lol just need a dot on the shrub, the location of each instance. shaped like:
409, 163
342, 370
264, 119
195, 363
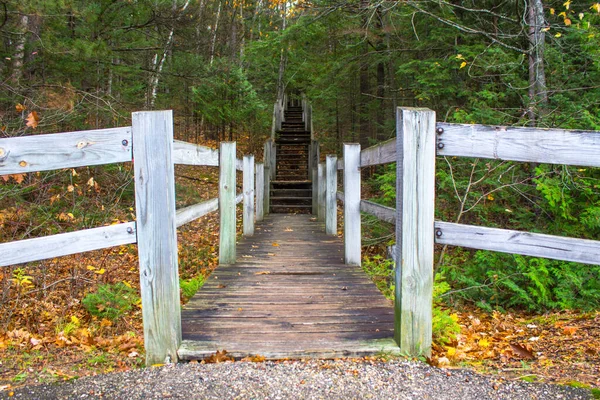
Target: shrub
110, 301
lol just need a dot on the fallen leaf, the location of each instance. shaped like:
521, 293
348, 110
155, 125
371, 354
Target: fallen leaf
32, 120
20, 107
254, 358
262, 273
275, 245
219, 356
221, 286
569, 330
521, 351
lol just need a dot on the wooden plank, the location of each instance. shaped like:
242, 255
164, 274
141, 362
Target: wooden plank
387, 214
340, 164
63, 244
555, 146
193, 154
352, 229
321, 189
415, 187
314, 171
331, 203
227, 202
382, 153
64, 150
248, 192
157, 234
193, 212
260, 191
515, 242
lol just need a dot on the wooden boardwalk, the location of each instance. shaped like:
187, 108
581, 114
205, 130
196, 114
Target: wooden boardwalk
289, 295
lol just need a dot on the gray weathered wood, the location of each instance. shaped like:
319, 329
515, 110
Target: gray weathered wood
322, 187
193, 212
314, 174
387, 214
414, 229
227, 202
239, 164
192, 154
340, 196
260, 191
340, 164
267, 179
382, 153
63, 244
64, 150
331, 203
157, 234
352, 229
248, 191
555, 146
515, 242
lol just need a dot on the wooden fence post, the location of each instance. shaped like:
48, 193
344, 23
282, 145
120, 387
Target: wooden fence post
157, 234
321, 192
227, 195
267, 179
260, 191
314, 173
352, 231
248, 190
415, 190
331, 195
273, 159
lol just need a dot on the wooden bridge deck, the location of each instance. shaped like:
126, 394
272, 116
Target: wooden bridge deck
289, 295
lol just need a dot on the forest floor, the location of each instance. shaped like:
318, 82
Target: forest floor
46, 335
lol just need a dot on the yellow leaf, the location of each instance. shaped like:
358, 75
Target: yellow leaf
596, 7
73, 172
459, 57
100, 271
75, 320
552, 11
567, 22
127, 284
90, 268
546, 29
20, 107
558, 35
90, 182
463, 64
70, 188
563, 14
70, 215
275, 245
484, 343
450, 351
567, 4
490, 197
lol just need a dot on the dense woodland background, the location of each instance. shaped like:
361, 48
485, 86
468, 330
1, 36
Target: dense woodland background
220, 64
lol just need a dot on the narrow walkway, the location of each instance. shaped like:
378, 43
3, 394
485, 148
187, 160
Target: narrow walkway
289, 296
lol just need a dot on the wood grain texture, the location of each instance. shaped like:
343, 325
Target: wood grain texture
415, 188
321, 189
515, 242
63, 244
288, 295
193, 154
387, 214
64, 150
352, 228
330, 195
227, 202
382, 153
157, 233
248, 191
193, 212
555, 146
260, 191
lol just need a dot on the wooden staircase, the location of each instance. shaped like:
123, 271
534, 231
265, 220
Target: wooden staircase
291, 191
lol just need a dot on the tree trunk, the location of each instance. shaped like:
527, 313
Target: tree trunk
538, 94
19, 54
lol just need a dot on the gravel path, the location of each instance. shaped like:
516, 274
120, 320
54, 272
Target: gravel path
298, 380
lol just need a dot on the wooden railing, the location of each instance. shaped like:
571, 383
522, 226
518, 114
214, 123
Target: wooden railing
150, 142
418, 141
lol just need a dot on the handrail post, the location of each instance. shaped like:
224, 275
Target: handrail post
314, 174
273, 159
227, 195
331, 199
157, 234
248, 190
415, 190
352, 229
321, 192
260, 191
267, 177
